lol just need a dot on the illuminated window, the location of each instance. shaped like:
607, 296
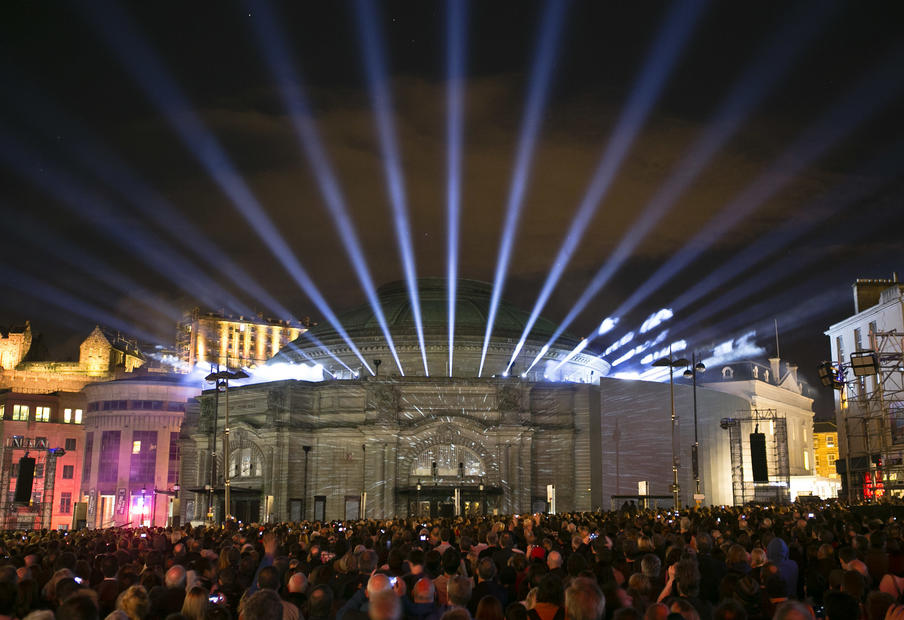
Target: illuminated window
20, 412
67, 415
42, 414
2, 411
830, 441
806, 460
136, 446
78, 416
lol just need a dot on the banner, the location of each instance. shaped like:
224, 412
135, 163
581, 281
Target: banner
121, 501
92, 506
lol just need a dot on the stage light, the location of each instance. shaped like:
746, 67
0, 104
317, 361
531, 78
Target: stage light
375, 68
830, 375
151, 76
865, 363
571, 354
456, 33
541, 74
771, 64
276, 52
607, 326
656, 319
666, 50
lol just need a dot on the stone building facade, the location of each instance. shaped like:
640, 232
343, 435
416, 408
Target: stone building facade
132, 450
210, 339
103, 356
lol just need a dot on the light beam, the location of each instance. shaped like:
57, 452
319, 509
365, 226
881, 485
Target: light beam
151, 76
541, 74
456, 34
276, 53
375, 68
772, 63
664, 54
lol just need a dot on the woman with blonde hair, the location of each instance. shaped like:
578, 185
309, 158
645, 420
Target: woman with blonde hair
135, 602
195, 605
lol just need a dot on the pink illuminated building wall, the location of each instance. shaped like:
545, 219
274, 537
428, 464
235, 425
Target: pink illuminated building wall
34, 424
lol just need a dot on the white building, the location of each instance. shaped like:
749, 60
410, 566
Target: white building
868, 407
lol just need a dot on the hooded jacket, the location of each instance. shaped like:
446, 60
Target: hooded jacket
777, 553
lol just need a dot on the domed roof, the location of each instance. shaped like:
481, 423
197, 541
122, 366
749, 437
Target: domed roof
470, 356
472, 305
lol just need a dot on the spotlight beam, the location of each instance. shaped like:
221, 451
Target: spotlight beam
70, 303
375, 68
278, 59
772, 63
663, 55
88, 206
96, 157
40, 236
541, 74
787, 235
872, 177
456, 35
872, 93
151, 76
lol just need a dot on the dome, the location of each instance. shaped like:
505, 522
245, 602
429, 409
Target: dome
471, 312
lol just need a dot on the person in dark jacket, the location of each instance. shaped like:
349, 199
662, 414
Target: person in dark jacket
487, 585
777, 552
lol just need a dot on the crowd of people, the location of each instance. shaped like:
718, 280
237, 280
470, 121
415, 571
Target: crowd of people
728, 563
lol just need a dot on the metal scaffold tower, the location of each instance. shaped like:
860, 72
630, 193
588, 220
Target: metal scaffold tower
744, 488
872, 407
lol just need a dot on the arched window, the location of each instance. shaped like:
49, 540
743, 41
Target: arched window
447, 457
727, 373
244, 463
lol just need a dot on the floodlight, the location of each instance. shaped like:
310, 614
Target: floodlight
830, 375
864, 363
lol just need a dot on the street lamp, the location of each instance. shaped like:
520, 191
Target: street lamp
672, 364
417, 503
225, 376
304, 500
691, 373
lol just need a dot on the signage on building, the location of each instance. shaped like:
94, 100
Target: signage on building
121, 501
92, 505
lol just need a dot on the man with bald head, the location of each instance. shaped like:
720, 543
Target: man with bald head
423, 605
296, 590
169, 599
384, 605
555, 564
358, 606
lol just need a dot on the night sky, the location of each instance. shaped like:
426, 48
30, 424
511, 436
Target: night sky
68, 95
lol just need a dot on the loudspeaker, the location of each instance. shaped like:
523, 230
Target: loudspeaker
25, 480
758, 457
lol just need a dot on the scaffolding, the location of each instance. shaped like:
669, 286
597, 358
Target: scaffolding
31, 514
872, 411
744, 489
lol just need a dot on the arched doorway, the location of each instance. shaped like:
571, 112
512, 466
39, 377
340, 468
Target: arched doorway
441, 471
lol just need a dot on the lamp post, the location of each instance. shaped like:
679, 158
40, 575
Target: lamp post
417, 503
304, 500
483, 499
363, 480
691, 373
225, 376
672, 364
